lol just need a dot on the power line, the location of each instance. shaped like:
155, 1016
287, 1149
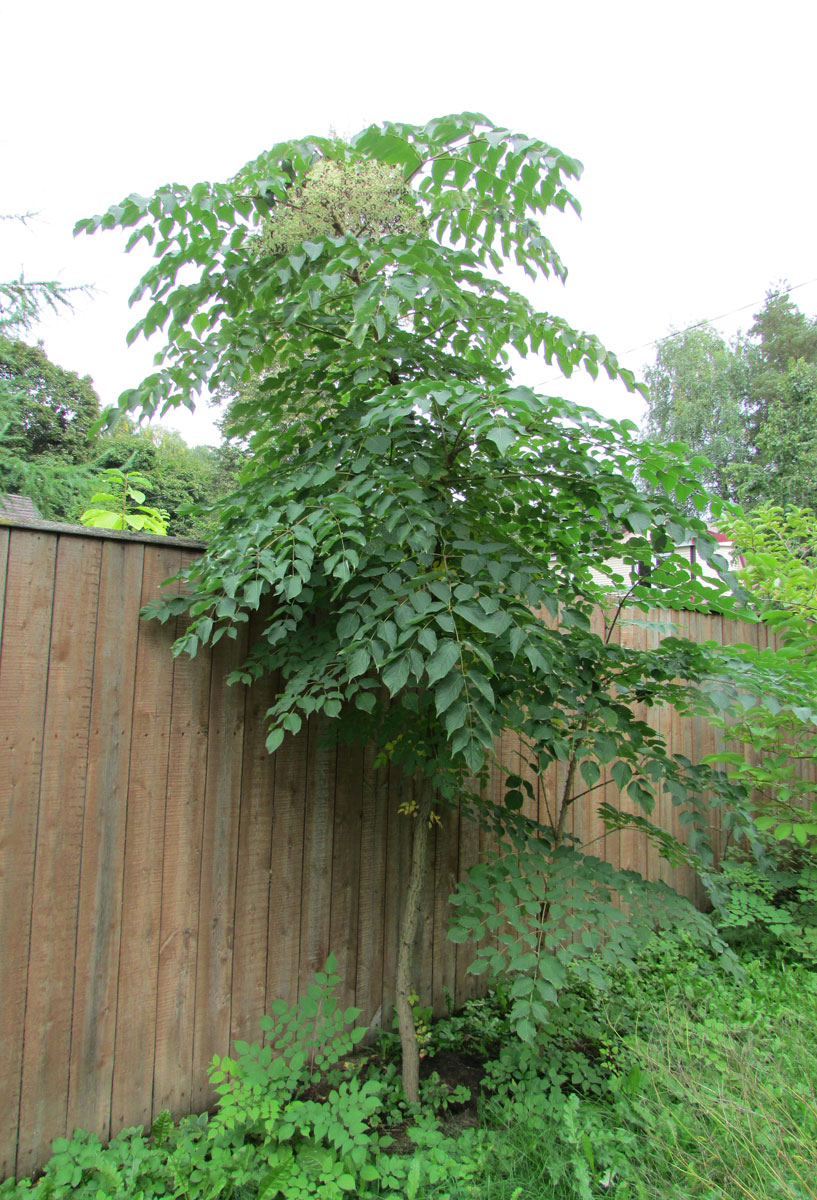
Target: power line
689, 328
711, 320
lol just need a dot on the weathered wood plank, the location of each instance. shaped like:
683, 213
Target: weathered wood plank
103, 839
343, 917
632, 846
677, 731
446, 873
424, 941
23, 677
398, 858
466, 984
222, 801
371, 916
181, 884
253, 868
132, 1083
4, 554
47, 1037
702, 741
316, 887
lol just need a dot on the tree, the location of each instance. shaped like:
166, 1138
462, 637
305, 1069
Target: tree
23, 300
749, 406
45, 412
780, 336
697, 388
783, 469
186, 482
46, 420
423, 528
54, 410
52, 450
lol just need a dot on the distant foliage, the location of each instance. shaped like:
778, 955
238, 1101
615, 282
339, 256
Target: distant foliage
52, 450
769, 696
748, 406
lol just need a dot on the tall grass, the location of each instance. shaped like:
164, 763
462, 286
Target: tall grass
729, 1091
710, 1093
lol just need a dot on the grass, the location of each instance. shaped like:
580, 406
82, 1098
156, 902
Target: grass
728, 1090
687, 1085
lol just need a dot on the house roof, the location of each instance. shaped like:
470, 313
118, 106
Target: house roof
18, 509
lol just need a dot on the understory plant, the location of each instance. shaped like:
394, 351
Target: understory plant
767, 692
765, 899
409, 521
675, 1080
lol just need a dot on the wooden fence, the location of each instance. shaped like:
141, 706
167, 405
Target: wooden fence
162, 878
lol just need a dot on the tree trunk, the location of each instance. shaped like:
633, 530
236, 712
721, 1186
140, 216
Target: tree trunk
405, 953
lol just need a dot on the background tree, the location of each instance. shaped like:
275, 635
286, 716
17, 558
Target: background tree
45, 412
53, 409
22, 301
749, 406
52, 451
783, 468
781, 336
184, 481
697, 393
46, 421
423, 527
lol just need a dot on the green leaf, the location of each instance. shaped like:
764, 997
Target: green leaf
502, 437
447, 691
274, 739
358, 662
639, 520
442, 660
396, 674
590, 772
552, 971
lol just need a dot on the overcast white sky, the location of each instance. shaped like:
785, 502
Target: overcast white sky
695, 122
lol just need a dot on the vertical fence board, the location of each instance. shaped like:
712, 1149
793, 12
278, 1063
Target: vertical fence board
132, 1084
23, 677
316, 887
181, 883
466, 984
103, 838
283, 938
632, 843
446, 871
222, 798
344, 925
398, 857
424, 942
678, 733
369, 975
4, 555
47, 1037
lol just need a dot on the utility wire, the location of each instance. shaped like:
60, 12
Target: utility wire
689, 328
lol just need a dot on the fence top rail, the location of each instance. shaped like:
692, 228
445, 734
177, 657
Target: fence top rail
88, 531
